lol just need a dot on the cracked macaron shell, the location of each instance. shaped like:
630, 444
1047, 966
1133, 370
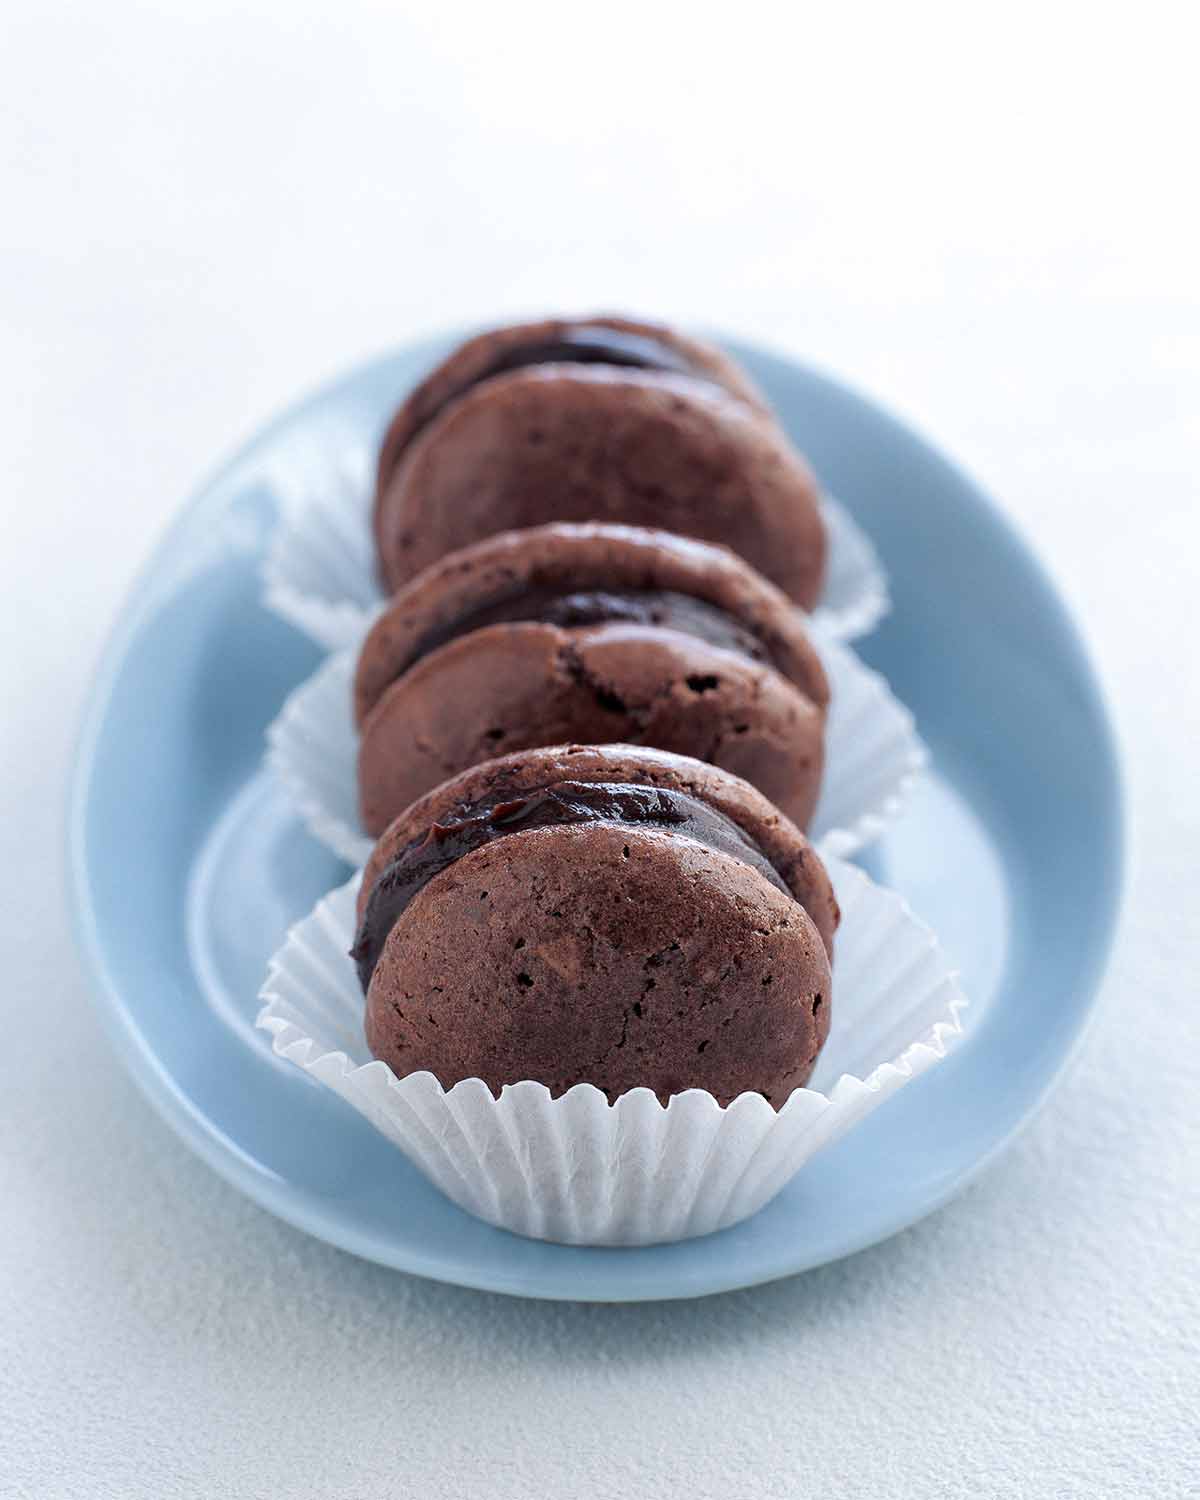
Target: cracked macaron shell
523, 685
580, 556
600, 953
519, 684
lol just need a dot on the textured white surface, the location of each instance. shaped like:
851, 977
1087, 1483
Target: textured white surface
989, 222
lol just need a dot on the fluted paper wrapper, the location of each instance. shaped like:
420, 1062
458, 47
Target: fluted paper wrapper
319, 570
580, 1171
872, 755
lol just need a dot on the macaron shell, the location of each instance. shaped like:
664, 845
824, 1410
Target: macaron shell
471, 360
621, 957
509, 775
511, 687
588, 443
574, 556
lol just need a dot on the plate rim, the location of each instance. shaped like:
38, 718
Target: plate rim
279, 1197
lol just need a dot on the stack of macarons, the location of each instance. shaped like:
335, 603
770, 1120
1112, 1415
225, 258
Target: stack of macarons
592, 724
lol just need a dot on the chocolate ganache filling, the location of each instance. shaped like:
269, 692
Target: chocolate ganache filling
575, 344
590, 344
564, 804
661, 607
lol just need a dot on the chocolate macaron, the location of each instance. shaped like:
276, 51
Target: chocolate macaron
608, 915
592, 634
597, 419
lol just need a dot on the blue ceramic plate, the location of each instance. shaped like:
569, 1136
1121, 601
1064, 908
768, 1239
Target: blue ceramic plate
188, 865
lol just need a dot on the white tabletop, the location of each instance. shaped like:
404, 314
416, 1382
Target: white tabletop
990, 225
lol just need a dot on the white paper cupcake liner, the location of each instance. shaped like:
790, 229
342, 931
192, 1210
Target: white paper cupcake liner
855, 597
578, 1170
319, 569
318, 572
872, 755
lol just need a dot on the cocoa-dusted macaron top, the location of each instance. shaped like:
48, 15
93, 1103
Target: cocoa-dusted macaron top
564, 785
576, 575
619, 343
